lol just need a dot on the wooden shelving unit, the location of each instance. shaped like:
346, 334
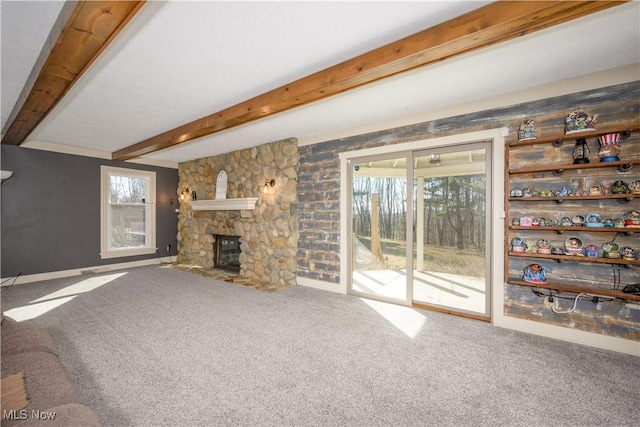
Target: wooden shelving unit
532, 165
559, 168
577, 289
560, 229
575, 258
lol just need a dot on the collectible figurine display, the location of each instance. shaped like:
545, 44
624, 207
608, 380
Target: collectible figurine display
535, 273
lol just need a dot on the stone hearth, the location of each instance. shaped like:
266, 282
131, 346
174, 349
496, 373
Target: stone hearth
268, 233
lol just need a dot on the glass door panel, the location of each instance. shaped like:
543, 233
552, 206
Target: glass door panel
451, 228
379, 229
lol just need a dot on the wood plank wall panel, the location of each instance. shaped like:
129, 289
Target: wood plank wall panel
319, 190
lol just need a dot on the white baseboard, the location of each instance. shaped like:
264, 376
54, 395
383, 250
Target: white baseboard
319, 284
78, 271
576, 336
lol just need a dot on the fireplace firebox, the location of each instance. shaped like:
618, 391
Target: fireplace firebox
226, 252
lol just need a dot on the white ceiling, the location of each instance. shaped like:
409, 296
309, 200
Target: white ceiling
178, 61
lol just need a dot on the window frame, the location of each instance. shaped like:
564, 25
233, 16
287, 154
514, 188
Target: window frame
150, 213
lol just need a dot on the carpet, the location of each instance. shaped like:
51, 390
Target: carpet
155, 346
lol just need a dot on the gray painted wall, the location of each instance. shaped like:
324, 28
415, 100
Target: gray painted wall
51, 211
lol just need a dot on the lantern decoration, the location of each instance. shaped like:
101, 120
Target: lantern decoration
581, 152
609, 148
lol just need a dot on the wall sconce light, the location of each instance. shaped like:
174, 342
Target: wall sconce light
434, 159
268, 184
184, 194
5, 175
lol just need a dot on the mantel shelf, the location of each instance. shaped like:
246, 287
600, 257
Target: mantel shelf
239, 204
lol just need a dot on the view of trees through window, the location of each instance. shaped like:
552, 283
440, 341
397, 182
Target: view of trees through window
127, 210
454, 220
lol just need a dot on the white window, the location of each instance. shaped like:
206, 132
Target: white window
128, 215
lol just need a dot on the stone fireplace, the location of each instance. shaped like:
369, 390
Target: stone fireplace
226, 252
268, 234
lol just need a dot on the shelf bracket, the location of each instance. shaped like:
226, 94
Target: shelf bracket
625, 135
557, 143
560, 201
559, 171
559, 231
625, 167
625, 200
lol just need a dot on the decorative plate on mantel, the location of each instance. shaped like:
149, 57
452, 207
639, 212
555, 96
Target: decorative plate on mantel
221, 186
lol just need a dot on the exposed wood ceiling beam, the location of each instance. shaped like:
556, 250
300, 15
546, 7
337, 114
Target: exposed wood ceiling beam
90, 28
494, 23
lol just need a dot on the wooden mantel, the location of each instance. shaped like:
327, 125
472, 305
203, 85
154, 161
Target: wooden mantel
248, 203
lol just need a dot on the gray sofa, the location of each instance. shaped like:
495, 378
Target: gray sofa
28, 349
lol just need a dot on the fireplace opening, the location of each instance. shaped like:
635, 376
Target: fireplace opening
226, 252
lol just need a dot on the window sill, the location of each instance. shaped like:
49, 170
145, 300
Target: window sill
126, 252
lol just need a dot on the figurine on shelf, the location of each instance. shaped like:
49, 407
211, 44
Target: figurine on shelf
516, 192
566, 221
573, 246
578, 220
535, 273
518, 245
610, 250
609, 148
579, 121
619, 187
628, 253
530, 247
632, 219
594, 220
634, 187
544, 247
595, 191
592, 251
526, 221
527, 130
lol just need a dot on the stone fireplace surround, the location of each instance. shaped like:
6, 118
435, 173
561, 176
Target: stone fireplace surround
268, 233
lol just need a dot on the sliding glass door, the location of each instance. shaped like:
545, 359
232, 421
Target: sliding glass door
443, 214
452, 228
380, 257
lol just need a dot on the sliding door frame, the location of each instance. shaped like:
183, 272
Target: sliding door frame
408, 155
487, 145
495, 211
